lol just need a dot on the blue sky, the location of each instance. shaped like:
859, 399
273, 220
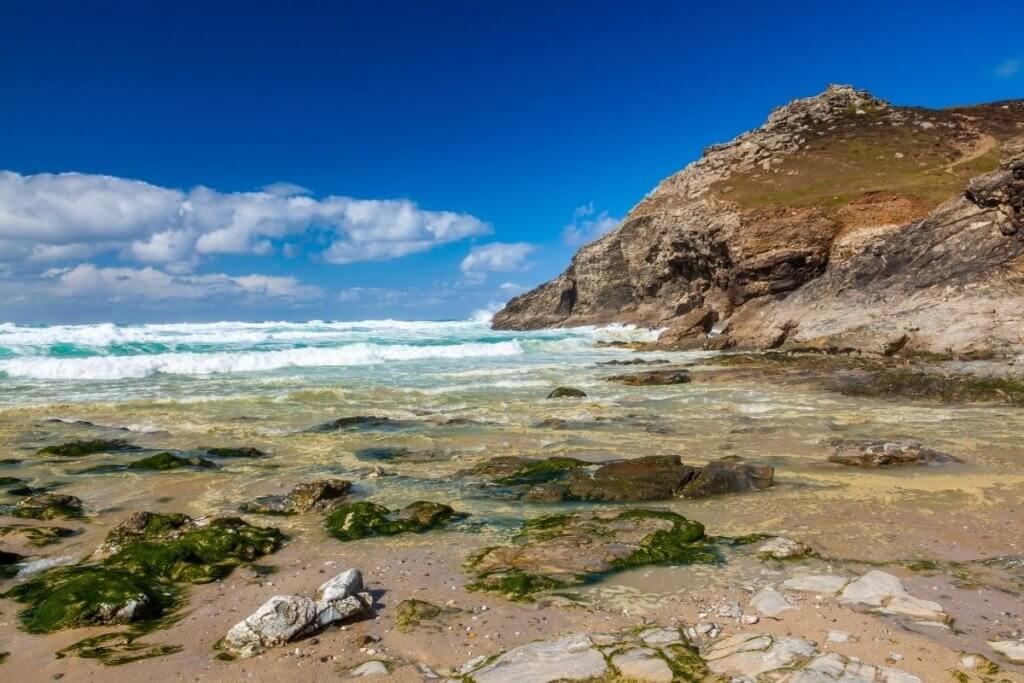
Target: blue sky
408, 160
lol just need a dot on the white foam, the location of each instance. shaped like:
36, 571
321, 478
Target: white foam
127, 367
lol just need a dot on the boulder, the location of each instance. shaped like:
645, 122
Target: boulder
304, 497
728, 475
781, 548
885, 454
640, 479
567, 392
45, 506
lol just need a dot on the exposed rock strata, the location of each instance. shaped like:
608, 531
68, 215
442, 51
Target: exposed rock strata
843, 221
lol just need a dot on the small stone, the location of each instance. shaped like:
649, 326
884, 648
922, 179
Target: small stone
838, 636
750, 619
770, 602
370, 668
781, 548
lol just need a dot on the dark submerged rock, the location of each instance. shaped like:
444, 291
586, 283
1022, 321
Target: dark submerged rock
362, 423
303, 498
164, 461
8, 564
885, 454
79, 449
637, 361
236, 452
567, 392
352, 521
37, 536
652, 378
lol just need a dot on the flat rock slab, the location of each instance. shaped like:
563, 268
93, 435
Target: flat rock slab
752, 654
887, 595
770, 602
828, 584
836, 667
885, 454
1011, 649
643, 664
573, 658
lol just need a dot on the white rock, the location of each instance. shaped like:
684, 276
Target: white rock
781, 548
752, 654
770, 602
332, 611
343, 585
1011, 649
838, 636
642, 664
816, 583
661, 636
277, 621
572, 658
886, 592
369, 668
750, 619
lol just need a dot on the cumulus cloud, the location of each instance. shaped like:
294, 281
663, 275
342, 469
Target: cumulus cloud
1009, 68
75, 215
87, 280
587, 225
498, 256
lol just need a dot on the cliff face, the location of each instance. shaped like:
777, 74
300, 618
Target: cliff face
843, 221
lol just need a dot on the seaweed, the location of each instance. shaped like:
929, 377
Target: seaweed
79, 449
352, 521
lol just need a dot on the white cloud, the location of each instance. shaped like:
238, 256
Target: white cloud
1009, 68
587, 225
76, 215
86, 280
498, 256
285, 189
509, 286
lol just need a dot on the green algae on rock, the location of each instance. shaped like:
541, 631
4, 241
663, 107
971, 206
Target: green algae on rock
567, 392
303, 498
79, 449
8, 564
556, 551
138, 580
45, 506
164, 461
511, 470
412, 612
37, 536
352, 521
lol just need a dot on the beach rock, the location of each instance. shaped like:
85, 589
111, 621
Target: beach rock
284, 618
45, 506
770, 602
388, 453
148, 526
567, 392
80, 449
886, 594
885, 454
362, 423
164, 461
275, 623
352, 521
235, 452
37, 536
826, 584
652, 378
1011, 649
572, 658
562, 549
550, 492
781, 548
753, 654
8, 562
661, 636
517, 471
637, 361
643, 664
728, 475
314, 495
370, 668
652, 477
835, 667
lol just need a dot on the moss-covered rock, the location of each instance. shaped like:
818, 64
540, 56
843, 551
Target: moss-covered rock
303, 498
80, 449
514, 470
362, 423
567, 392
652, 378
161, 462
45, 506
554, 551
147, 558
412, 612
352, 521
37, 536
656, 477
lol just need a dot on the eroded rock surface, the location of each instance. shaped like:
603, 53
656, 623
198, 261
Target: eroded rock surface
885, 454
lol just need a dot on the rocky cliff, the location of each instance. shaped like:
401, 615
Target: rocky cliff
844, 221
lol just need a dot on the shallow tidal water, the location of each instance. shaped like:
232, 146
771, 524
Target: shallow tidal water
466, 394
